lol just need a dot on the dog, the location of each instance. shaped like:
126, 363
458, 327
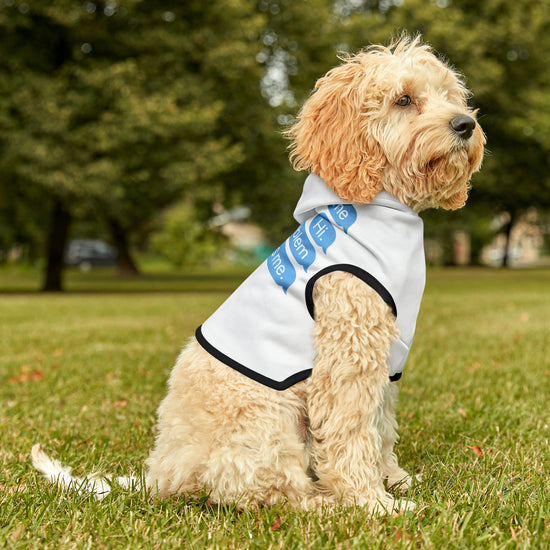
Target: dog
288, 392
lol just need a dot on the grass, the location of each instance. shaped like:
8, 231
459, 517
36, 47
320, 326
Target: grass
84, 372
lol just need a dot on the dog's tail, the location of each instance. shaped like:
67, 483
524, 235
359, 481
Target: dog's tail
96, 484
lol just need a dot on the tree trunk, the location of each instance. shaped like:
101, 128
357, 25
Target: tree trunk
125, 263
508, 233
60, 222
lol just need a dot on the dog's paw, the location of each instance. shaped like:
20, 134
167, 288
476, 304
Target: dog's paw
392, 506
401, 481
404, 505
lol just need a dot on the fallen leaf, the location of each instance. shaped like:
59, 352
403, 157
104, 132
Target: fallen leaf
477, 450
398, 535
120, 404
276, 524
475, 366
26, 377
462, 412
57, 352
548, 373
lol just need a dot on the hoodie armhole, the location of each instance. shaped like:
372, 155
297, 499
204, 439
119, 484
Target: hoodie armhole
366, 277
256, 376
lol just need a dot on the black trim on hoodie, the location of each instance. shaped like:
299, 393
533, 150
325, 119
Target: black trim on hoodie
366, 277
302, 375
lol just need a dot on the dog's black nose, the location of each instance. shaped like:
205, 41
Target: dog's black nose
463, 126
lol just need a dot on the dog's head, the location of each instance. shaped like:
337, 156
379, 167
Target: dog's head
393, 119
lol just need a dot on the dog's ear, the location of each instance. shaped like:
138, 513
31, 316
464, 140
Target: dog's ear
332, 138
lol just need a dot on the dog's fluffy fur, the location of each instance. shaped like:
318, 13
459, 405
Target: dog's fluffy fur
329, 439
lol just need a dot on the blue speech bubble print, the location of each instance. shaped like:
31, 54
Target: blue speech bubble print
302, 248
281, 268
343, 214
322, 232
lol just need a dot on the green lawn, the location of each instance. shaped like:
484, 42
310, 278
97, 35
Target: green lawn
83, 372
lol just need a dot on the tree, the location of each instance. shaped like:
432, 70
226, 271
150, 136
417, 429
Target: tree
114, 108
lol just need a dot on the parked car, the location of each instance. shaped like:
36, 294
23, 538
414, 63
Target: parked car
88, 253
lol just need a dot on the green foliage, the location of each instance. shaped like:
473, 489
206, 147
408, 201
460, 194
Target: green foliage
184, 240
120, 109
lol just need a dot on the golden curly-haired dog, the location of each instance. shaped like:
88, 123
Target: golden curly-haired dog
392, 119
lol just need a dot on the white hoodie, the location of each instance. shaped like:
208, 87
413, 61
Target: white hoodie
264, 329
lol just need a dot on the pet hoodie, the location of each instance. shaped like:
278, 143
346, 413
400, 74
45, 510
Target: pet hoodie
264, 329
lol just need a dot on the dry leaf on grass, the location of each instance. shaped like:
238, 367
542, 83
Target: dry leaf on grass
26, 377
399, 535
276, 524
120, 404
476, 450
462, 412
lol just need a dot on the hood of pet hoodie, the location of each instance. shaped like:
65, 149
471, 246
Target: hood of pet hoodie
264, 329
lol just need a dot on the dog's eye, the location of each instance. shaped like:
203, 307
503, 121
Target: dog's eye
404, 101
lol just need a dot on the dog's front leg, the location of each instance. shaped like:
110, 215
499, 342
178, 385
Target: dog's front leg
353, 333
387, 426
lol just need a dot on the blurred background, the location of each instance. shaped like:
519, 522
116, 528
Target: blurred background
134, 132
